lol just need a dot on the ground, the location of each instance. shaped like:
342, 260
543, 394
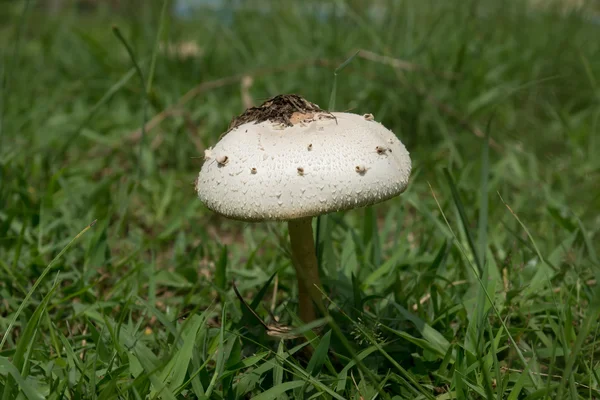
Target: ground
480, 281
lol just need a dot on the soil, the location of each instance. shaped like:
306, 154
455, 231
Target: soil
284, 109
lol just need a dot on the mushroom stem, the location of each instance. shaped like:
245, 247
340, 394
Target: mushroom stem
307, 268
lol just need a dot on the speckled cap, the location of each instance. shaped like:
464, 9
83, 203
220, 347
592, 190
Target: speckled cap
313, 163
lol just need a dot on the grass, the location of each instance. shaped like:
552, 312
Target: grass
481, 281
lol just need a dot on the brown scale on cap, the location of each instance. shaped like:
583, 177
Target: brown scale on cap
285, 109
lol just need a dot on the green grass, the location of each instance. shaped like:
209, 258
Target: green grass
481, 281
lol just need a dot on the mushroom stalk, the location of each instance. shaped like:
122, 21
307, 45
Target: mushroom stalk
307, 269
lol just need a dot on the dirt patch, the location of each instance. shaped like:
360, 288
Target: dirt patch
285, 109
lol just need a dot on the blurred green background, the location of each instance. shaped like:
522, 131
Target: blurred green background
141, 304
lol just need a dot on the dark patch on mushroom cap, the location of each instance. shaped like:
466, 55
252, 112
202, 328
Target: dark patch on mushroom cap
277, 109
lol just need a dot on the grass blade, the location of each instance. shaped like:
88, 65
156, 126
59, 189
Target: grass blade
181, 360
371, 240
590, 322
220, 365
261, 293
483, 195
221, 269
278, 368
26, 345
39, 280
339, 69
533, 379
6, 367
145, 99
159, 32
278, 390
464, 221
320, 355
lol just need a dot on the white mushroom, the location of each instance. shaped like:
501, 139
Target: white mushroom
283, 191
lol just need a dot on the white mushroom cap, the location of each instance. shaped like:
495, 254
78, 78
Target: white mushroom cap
324, 162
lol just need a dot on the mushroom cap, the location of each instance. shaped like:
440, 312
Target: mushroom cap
316, 164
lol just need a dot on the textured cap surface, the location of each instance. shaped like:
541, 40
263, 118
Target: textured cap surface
324, 162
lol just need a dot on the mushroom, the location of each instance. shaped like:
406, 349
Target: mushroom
297, 183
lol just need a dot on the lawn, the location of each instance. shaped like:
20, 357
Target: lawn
479, 282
